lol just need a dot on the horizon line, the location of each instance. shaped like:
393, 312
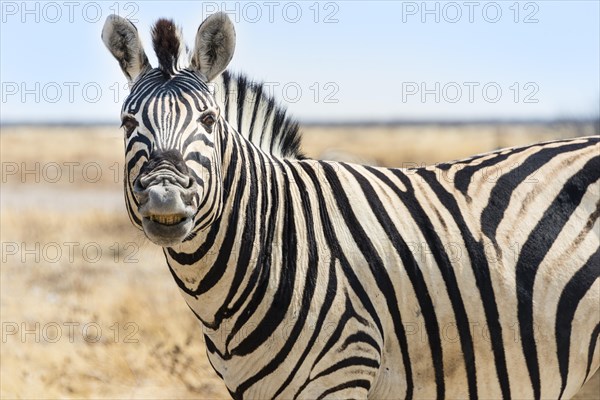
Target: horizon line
334, 123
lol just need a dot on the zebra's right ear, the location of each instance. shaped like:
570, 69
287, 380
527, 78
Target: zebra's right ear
121, 37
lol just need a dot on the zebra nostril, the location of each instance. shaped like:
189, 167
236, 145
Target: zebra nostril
140, 193
138, 185
142, 197
188, 196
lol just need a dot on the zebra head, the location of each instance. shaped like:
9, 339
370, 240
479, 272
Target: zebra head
172, 124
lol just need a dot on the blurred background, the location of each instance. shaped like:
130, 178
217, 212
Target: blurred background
88, 307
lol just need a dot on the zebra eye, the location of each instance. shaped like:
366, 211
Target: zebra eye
208, 120
129, 123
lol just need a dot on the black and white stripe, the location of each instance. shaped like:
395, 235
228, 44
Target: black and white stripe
366, 251
315, 279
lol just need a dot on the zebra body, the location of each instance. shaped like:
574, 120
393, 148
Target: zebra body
446, 305
316, 279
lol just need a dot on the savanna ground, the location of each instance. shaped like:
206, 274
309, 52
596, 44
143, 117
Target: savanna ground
88, 307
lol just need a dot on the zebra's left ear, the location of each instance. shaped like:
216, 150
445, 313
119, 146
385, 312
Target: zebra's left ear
215, 43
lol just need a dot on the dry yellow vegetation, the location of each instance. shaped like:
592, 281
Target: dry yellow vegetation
89, 309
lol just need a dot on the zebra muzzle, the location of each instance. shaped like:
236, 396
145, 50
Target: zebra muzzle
167, 210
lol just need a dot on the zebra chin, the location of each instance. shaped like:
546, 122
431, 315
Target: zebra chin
165, 234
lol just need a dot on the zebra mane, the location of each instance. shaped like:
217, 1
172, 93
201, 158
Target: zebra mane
170, 49
256, 115
253, 112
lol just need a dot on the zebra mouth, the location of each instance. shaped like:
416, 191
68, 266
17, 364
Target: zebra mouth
168, 220
168, 229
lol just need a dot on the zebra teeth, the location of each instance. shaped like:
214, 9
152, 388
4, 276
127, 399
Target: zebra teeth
172, 219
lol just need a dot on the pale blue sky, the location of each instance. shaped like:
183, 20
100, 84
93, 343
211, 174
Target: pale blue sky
371, 60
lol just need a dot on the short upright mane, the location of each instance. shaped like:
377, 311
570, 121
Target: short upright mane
170, 49
246, 106
257, 115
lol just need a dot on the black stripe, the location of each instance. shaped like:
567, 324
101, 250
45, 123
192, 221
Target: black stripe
361, 337
354, 361
159, 119
362, 383
241, 98
128, 182
197, 137
199, 159
591, 349
268, 113
139, 138
211, 198
226, 94
534, 250
278, 123
192, 258
570, 297
197, 317
257, 102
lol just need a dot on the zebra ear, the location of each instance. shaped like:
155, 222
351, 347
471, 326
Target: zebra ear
121, 37
215, 43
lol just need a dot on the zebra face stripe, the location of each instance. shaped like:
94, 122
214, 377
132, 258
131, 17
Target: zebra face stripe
173, 169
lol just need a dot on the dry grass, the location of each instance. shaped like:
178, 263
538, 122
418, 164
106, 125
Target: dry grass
396, 146
150, 345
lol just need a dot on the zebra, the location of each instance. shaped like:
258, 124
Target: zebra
318, 279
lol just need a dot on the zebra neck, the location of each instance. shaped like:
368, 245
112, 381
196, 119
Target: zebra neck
234, 259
